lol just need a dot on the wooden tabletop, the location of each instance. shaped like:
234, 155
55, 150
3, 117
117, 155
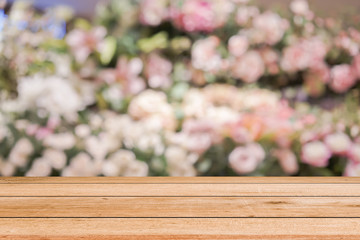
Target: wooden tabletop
180, 208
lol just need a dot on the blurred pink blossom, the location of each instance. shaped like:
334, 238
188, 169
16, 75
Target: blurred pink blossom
354, 153
338, 143
126, 72
245, 159
342, 78
356, 65
316, 154
249, 67
238, 45
153, 12
300, 7
269, 28
83, 43
287, 160
205, 55
304, 54
352, 169
195, 15
157, 71
245, 13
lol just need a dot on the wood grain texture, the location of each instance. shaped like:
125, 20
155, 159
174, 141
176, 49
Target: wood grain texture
180, 208
167, 228
180, 189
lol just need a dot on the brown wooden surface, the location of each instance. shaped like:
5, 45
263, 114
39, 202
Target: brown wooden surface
180, 208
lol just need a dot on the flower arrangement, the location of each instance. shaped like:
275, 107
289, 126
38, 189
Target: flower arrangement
178, 88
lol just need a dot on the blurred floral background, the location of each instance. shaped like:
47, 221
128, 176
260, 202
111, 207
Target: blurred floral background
179, 88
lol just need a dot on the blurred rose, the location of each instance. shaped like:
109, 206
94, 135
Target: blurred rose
352, 169
204, 55
300, 7
356, 65
338, 143
287, 160
244, 160
316, 154
153, 12
354, 153
178, 162
39, 168
158, 71
268, 28
60, 141
56, 158
304, 54
201, 15
83, 43
245, 13
249, 67
126, 72
20, 153
238, 45
153, 104
342, 78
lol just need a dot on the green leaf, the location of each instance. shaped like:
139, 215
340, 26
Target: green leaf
109, 50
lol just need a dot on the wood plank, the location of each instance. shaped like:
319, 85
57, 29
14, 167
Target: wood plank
181, 207
181, 180
170, 228
201, 189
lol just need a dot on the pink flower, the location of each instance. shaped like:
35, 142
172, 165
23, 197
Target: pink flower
269, 28
304, 54
300, 7
356, 65
245, 13
338, 143
245, 160
195, 15
201, 15
249, 67
238, 45
153, 12
342, 78
126, 72
287, 160
316, 154
354, 153
158, 71
204, 55
271, 60
83, 43
199, 135
352, 169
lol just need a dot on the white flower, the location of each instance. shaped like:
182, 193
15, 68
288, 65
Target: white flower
205, 56
136, 169
56, 95
81, 165
316, 154
7, 169
245, 160
179, 163
124, 163
152, 103
300, 7
60, 141
39, 168
338, 143
20, 152
56, 159
82, 130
